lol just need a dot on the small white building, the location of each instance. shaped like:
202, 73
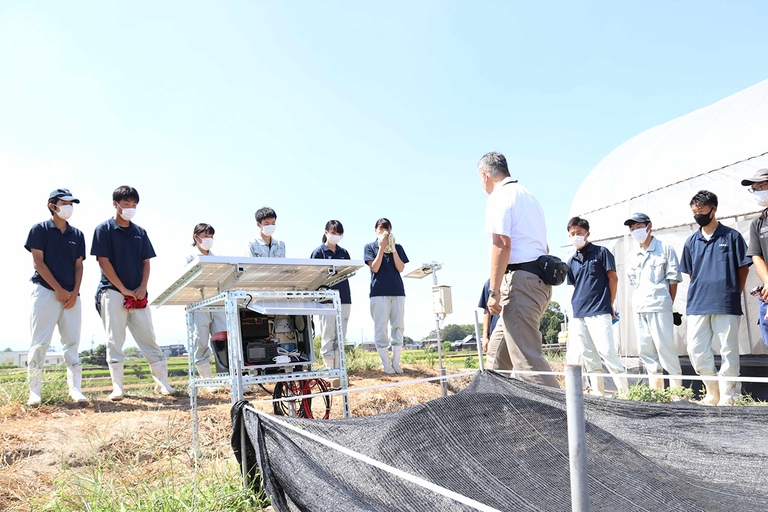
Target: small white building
19, 358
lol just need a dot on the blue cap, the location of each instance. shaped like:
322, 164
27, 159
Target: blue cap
637, 217
64, 194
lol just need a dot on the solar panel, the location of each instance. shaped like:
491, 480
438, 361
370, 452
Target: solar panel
206, 275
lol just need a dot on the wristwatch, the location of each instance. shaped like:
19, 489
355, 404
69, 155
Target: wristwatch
492, 293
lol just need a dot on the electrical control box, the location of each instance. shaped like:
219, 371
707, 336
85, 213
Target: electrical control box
265, 338
442, 303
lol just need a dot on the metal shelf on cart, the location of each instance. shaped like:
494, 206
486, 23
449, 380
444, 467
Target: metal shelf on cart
225, 379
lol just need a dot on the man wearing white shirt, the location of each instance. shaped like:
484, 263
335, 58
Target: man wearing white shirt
654, 275
514, 220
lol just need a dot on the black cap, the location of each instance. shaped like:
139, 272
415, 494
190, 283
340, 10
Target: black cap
761, 175
637, 217
64, 194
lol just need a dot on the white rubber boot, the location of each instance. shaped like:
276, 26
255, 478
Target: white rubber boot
396, 358
675, 383
116, 372
74, 380
729, 391
598, 386
655, 382
622, 385
35, 377
333, 361
385, 364
713, 393
159, 371
204, 369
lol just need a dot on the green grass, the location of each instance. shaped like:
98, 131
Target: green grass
644, 393
147, 472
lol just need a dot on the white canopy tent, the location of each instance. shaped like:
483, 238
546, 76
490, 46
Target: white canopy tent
658, 172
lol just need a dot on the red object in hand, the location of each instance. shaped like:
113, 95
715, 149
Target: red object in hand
131, 303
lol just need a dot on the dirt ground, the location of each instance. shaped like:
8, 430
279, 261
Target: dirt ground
40, 446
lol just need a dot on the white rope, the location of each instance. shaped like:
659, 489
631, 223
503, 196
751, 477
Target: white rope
719, 378
385, 467
366, 388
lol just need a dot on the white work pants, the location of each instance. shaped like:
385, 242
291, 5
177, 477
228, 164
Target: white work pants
327, 326
388, 310
206, 323
48, 313
656, 342
725, 328
139, 321
591, 338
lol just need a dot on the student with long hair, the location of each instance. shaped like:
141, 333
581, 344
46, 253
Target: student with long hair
333, 341
206, 323
387, 260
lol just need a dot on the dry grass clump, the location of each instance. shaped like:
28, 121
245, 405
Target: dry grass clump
136, 454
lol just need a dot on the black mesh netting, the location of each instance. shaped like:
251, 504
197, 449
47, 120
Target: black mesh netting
504, 443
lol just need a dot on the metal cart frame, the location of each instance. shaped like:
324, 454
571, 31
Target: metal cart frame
231, 300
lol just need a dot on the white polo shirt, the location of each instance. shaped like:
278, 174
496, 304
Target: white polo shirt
512, 211
650, 274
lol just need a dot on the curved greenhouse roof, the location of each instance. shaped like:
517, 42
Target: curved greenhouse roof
659, 170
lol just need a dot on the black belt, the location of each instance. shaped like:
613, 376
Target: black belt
528, 266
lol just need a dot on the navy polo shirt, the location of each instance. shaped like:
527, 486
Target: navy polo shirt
126, 248
60, 252
387, 282
483, 304
714, 269
591, 295
324, 253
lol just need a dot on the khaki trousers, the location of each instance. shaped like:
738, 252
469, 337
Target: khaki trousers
516, 341
139, 321
47, 314
329, 344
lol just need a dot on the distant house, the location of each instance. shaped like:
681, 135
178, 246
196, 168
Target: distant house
19, 358
174, 350
368, 346
468, 343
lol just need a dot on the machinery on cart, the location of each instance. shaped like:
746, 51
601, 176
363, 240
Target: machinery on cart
269, 304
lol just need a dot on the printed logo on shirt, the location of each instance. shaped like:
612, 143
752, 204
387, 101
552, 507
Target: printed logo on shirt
723, 245
764, 232
72, 242
137, 236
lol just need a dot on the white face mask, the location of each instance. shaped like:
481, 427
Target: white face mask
268, 230
128, 213
65, 211
333, 239
578, 241
641, 235
206, 244
761, 197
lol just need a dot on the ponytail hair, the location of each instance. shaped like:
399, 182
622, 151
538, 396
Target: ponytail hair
333, 225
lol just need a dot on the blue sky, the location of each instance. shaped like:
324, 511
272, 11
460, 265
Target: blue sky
350, 111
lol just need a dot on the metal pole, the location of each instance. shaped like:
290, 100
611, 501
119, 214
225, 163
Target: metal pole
243, 455
479, 344
577, 444
444, 384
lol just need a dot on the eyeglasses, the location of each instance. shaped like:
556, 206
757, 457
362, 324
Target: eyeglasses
757, 188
